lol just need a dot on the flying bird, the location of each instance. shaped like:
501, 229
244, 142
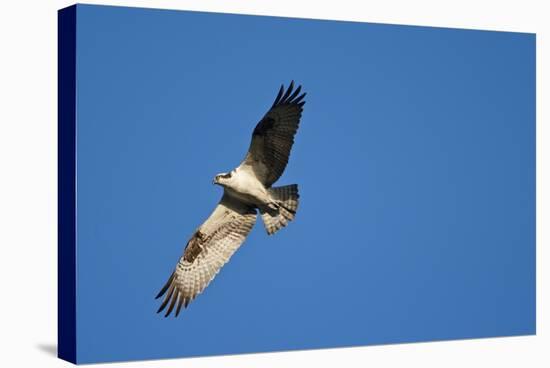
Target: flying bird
247, 189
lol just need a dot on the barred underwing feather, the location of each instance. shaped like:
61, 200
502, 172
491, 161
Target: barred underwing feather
210, 247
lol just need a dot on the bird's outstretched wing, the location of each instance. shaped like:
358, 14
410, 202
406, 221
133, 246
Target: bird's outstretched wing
273, 136
207, 251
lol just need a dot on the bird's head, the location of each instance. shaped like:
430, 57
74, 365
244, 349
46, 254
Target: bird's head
222, 179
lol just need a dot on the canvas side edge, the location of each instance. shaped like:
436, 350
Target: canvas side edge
66, 161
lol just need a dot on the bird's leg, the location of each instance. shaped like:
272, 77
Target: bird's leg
273, 207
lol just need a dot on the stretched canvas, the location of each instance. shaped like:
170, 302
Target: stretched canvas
237, 184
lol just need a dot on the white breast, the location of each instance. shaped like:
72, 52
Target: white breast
248, 185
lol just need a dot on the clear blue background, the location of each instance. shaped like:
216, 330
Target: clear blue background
415, 160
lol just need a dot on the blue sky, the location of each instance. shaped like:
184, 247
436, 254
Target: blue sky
415, 160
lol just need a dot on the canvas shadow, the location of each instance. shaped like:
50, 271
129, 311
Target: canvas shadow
50, 349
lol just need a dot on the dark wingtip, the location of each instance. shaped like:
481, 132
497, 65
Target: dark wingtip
293, 96
160, 309
284, 99
278, 98
288, 96
167, 299
299, 98
166, 286
172, 304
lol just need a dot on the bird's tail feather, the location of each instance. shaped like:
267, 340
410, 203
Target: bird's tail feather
286, 200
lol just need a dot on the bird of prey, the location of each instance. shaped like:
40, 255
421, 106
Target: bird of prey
246, 190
